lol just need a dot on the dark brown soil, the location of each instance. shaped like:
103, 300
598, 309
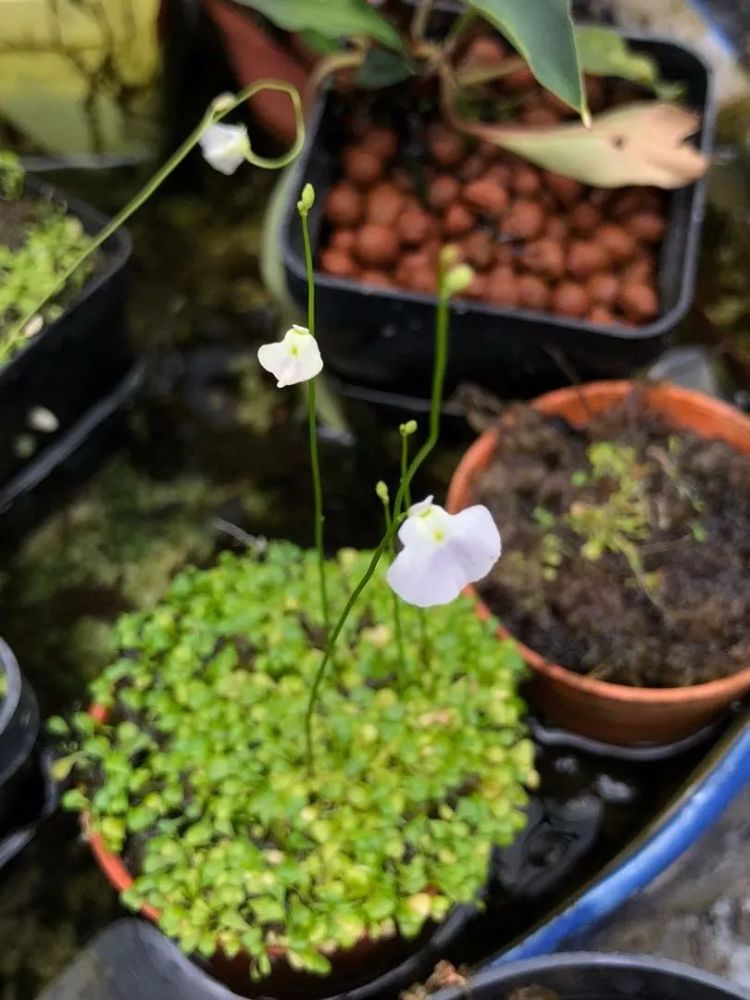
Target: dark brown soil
691, 623
16, 219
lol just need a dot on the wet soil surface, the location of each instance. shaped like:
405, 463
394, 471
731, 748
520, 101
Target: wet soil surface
627, 546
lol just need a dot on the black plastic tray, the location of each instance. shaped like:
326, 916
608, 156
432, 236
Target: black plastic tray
74, 362
384, 338
597, 977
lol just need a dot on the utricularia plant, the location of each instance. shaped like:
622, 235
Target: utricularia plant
290, 754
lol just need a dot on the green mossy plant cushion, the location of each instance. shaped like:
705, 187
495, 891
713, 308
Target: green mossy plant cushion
199, 776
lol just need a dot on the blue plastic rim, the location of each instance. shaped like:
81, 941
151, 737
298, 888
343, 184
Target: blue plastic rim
698, 806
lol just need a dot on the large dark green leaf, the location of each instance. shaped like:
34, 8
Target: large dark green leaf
382, 69
542, 32
332, 18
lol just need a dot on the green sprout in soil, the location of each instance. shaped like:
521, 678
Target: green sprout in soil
200, 771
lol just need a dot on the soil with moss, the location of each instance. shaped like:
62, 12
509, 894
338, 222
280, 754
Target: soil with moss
634, 573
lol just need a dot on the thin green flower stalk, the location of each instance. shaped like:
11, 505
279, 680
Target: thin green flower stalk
217, 110
453, 278
406, 430
306, 202
382, 491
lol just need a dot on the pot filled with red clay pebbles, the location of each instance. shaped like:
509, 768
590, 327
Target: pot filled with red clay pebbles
582, 226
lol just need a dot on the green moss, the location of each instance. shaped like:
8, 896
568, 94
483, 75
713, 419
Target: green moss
419, 769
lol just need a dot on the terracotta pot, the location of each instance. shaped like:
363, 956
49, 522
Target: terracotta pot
617, 713
369, 959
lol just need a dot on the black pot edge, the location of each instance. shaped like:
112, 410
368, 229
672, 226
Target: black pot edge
663, 325
515, 974
117, 251
9, 666
52, 457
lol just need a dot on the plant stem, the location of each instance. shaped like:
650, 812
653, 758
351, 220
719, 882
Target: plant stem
462, 22
424, 641
442, 330
394, 596
312, 423
421, 18
213, 114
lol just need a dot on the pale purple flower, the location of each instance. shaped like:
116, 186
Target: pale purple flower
442, 553
225, 147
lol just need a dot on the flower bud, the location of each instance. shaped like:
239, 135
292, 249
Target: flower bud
458, 279
307, 199
382, 491
222, 103
409, 428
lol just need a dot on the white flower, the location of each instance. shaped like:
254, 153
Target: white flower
225, 147
294, 359
442, 553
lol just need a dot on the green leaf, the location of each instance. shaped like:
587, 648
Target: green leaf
603, 52
383, 69
330, 18
542, 32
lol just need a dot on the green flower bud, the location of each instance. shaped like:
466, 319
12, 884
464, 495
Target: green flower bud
409, 428
458, 279
307, 199
382, 491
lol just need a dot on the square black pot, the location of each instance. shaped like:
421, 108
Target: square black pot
384, 337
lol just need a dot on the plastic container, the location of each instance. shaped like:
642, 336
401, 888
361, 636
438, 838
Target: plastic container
384, 338
615, 712
76, 360
21, 782
596, 977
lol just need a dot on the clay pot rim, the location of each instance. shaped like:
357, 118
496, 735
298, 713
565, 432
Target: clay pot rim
477, 458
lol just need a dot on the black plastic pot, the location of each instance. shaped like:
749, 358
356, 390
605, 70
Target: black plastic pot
22, 783
595, 977
384, 338
71, 366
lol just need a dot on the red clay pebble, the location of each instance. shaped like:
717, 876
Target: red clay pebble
372, 277
595, 94
477, 289
344, 205
570, 299
362, 166
344, 239
540, 117
445, 146
603, 288
484, 52
458, 221
545, 256
532, 292
648, 227
486, 197
384, 204
640, 270
402, 180
565, 189
552, 101
618, 243
518, 81
443, 191
414, 226
525, 219
583, 218
377, 246
601, 316
477, 249
501, 286
585, 258
337, 263
626, 203
525, 180
500, 173
639, 302
505, 253
381, 141
474, 167
422, 279
556, 229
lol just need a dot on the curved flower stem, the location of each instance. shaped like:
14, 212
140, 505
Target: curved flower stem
442, 330
394, 596
221, 107
312, 423
424, 638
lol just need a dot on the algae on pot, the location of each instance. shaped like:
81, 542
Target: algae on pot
627, 546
